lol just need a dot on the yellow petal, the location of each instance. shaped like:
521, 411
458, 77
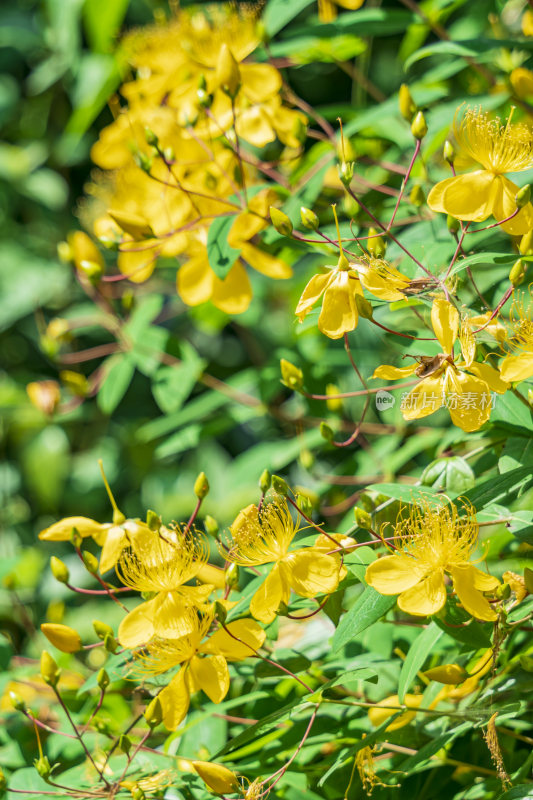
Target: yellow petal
259, 81
516, 368
115, 542
64, 638
195, 281
208, 573
383, 281
310, 572
137, 260
388, 373
483, 581
169, 615
234, 294
249, 632
463, 578
426, 398
389, 706
339, 311
491, 376
426, 598
394, 574
265, 263
466, 197
244, 227
211, 675
505, 205
61, 531
445, 322
255, 126
468, 400
175, 699
312, 292
268, 597
137, 628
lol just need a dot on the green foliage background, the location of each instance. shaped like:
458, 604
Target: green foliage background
156, 427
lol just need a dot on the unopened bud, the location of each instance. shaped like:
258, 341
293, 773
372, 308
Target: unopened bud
102, 679
334, 403
452, 224
362, 518
211, 526
503, 591
375, 244
143, 161
309, 219
228, 73
406, 103
124, 743
364, 307
417, 196
282, 610
102, 629
154, 713
280, 221
110, 643
90, 561
326, 432
151, 138
518, 272
448, 152
17, 702
221, 612
304, 503
291, 375
153, 520
201, 486
447, 673
216, 777
92, 270
528, 579
280, 485
523, 196
265, 481
50, 672
59, 569
346, 172
203, 98
419, 126
42, 765
75, 538
44, 395
137, 792
61, 636
526, 244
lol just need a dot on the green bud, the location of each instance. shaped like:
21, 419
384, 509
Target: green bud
201, 486
282, 610
304, 502
102, 629
280, 221
346, 172
169, 155
326, 432
42, 765
92, 270
526, 244
364, 307
503, 591
90, 561
137, 793
154, 713
376, 245
211, 526
265, 481
448, 152
59, 570
406, 103
291, 375
110, 643
221, 612
50, 672
419, 126
75, 538
518, 272
143, 161
153, 520
523, 196
17, 702
124, 743
362, 518
203, 98
528, 579
280, 485
151, 138
452, 223
309, 219
231, 576
417, 196
102, 679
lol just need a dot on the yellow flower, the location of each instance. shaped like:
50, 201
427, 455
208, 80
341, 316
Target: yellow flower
463, 386
64, 638
518, 366
527, 23
265, 538
327, 9
389, 706
203, 664
522, 82
477, 195
432, 541
161, 565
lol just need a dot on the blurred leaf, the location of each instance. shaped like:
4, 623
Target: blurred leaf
46, 463
102, 20
278, 13
418, 652
119, 370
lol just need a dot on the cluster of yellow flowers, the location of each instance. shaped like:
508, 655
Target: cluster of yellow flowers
173, 158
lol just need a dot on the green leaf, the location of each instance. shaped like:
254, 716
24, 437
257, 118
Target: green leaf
114, 668
102, 20
522, 792
460, 626
418, 652
430, 748
143, 315
406, 494
352, 676
279, 13
296, 662
148, 349
220, 254
367, 609
509, 410
506, 488
119, 371
451, 475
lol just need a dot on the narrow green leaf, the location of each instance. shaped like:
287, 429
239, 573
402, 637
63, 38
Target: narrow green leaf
418, 652
368, 608
279, 13
507, 487
220, 254
119, 373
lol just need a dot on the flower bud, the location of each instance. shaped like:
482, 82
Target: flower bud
59, 569
309, 219
151, 138
153, 520
346, 172
50, 672
216, 777
44, 395
417, 196
375, 244
92, 271
211, 526
84, 251
447, 673
291, 375
201, 486
333, 402
231, 576
265, 481
503, 591
452, 223
419, 126
137, 792
282, 610
124, 743
17, 702
75, 382
203, 98
518, 272
221, 612
154, 713
406, 103
42, 765
523, 196
362, 518
75, 538
364, 307
280, 221
227, 72
528, 579
304, 502
102, 629
143, 161
326, 432
61, 636
110, 643
90, 561
64, 252
526, 244
280, 485
448, 152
